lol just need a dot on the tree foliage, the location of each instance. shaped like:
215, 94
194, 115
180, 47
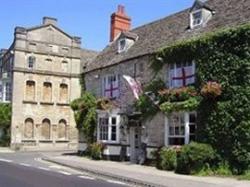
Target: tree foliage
85, 115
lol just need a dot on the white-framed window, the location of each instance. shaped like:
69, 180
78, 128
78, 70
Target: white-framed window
180, 128
31, 62
108, 128
111, 86
181, 74
196, 18
121, 45
8, 91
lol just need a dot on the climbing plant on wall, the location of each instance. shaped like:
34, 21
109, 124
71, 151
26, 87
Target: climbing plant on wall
222, 63
85, 112
5, 120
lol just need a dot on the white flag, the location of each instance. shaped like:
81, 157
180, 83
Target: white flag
134, 85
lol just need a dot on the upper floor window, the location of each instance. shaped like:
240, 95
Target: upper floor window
64, 66
111, 86
182, 74
30, 90
121, 45
31, 62
196, 18
63, 97
47, 92
53, 48
7, 91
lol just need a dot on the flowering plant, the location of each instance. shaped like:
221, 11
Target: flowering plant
177, 94
211, 89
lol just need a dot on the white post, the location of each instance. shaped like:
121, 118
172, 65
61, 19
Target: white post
166, 131
187, 132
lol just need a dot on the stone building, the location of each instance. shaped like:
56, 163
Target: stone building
129, 53
42, 69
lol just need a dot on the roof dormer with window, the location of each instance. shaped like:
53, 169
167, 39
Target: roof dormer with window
125, 41
200, 14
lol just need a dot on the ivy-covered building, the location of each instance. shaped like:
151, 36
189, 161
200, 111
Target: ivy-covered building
193, 67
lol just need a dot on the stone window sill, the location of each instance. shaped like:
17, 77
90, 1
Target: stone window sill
46, 103
28, 141
62, 104
29, 102
45, 141
62, 141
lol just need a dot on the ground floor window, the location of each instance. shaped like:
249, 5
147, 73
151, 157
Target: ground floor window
108, 130
180, 128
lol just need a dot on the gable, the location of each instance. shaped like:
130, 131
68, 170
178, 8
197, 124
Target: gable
199, 4
49, 33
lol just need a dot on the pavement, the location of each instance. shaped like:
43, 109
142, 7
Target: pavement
141, 175
27, 169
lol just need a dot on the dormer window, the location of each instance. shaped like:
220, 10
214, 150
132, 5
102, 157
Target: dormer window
196, 18
121, 45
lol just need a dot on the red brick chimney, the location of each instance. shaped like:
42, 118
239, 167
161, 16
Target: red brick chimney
119, 22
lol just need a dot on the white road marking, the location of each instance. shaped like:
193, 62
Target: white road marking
23, 164
64, 172
86, 177
46, 169
116, 182
5, 160
55, 167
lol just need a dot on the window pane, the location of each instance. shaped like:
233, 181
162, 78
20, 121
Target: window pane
113, 133
103, 128
176, 141
113, 121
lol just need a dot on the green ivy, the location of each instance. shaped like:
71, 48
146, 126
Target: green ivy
223, 122
189, 105
5, 122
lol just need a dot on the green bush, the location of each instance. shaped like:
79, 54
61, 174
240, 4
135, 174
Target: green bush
167, 159
95, 151
192, 158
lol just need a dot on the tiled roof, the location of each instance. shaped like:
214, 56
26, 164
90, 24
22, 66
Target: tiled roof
166, 31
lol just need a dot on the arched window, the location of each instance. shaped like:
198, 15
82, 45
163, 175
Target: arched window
30, 91
45, 129
31, 62
62, 129
29, 128
63, 97
47, 92
64, 66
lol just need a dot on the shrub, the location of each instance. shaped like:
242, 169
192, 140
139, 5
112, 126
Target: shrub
193, 157
95, 151
167, 159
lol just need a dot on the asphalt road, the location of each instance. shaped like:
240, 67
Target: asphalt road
25, 170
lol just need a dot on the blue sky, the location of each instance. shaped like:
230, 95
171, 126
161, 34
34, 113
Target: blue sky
89, 19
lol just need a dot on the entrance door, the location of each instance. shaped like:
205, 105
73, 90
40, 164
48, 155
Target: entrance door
135, 143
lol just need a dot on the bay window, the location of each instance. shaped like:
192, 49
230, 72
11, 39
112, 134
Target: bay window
108, 128
180, 128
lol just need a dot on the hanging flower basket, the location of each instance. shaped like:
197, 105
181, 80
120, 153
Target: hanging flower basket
211, 90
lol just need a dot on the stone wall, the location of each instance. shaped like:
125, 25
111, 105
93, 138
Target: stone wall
41, 115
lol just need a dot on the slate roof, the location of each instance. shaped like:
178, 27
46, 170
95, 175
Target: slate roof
166, 31
87, 56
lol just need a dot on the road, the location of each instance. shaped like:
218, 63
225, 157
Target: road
27, 170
